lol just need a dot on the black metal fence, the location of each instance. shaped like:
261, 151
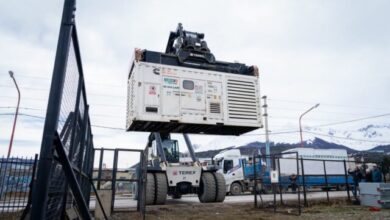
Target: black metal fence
126, 180
289, 178
66, 156
16, 176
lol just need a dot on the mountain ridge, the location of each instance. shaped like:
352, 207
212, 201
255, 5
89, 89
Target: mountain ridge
317, 143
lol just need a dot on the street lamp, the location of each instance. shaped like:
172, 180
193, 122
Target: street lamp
300, 119
11, 74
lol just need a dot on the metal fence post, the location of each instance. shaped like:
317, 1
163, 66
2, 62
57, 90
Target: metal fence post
346, 180
273, 184
304, 183
28, 206
143, 186
254, 179
299, 190
326, 181
113, 182
280, 184
100, 168
89, 169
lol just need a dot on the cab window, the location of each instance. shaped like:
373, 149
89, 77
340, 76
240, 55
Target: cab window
171, 150
227, 165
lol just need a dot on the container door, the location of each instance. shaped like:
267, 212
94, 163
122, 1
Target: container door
170, 96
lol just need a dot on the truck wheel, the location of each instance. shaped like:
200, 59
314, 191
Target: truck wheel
235, 189
221, 187
341, 187
161, 188
281, 189
207, 191
326, 188
267, 189
150, 189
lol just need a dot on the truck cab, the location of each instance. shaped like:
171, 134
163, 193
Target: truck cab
230, 163
171, 151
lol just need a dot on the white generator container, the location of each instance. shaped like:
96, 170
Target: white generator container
189, 100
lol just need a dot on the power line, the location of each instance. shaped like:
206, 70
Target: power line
49, 79
322, 103
108, 127
276, 108
352, 120
27, 88
286, 117
43, 110
43, 118
45, 100
47, 90
25, 108
272, 133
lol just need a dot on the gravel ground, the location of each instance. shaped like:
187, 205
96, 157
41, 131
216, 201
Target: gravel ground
229, 211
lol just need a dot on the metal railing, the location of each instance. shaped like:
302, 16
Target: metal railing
127, 183
295, 175
16, 177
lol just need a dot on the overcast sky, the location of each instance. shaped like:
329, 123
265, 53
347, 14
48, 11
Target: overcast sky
331, 52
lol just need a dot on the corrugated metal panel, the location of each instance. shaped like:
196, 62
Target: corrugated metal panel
242, 100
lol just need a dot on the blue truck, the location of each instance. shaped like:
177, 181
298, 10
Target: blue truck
288, 177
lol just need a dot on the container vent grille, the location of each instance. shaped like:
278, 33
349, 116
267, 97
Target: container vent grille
215, 108
242, 100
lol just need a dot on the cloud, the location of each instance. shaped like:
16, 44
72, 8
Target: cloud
331, 52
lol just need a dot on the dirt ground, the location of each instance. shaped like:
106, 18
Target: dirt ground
229, 211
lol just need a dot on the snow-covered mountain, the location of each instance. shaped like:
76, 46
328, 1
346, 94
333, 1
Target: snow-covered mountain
363, 138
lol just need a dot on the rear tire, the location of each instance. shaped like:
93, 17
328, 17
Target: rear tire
326, 188
221, 187
282, 189
161, 188
207, 191
150, 189
341, 187
267, 189
235, 189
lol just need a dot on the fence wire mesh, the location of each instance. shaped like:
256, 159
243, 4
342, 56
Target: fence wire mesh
66, 157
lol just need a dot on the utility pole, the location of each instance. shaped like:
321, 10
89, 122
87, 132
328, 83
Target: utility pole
267, 150
300, 119
11, 74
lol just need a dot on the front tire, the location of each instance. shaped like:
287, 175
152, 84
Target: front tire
235, 189
221, 187
161, 188
207, 191
150, 189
